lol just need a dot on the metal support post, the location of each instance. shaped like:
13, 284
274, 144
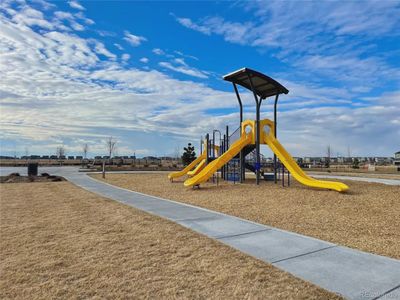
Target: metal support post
213, 144
226, 148
207, 148
275, 124
241, 157
258, 105
222, 151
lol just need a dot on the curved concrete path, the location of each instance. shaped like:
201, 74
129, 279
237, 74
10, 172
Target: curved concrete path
348, 272
357, 178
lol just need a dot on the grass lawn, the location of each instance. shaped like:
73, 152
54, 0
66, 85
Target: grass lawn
366, 217
60, 241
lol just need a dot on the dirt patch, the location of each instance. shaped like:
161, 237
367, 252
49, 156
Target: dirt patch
17, 178
366, 218
65, 242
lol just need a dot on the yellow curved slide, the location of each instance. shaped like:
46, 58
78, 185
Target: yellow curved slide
196, 170
296, 171
216, 164
189, 167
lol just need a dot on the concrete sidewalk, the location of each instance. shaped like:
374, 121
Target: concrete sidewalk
358, 178
348, 272
59, 170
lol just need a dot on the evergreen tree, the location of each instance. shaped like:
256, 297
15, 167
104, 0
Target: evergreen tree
356, 163
188, 155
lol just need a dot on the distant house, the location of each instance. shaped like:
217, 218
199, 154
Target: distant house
150, 158
299, 160
6, 157
166, 158
334, 160
314, 161
79, 157
71, 157
396, 160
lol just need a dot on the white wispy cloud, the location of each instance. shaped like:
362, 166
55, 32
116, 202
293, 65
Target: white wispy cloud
366, 130
125, 56
185, 55
179, 65
99, 48
314, 36
72, 19
107, 33
62, 85
158, 51
118, 46
144, 60
351, 69
80, 15
133, 40
31, 17
76, 5
57, 87
190, 24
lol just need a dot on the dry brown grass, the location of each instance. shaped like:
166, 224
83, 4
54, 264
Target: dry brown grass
366, 218
59, 241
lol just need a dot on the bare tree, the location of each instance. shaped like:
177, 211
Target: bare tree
328, 156
60, 151
177, 152
15, 156
85, 150
111, 145
26, 152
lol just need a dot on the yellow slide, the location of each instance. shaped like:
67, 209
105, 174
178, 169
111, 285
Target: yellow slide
296, 171
189, 167
216, 164
196, 170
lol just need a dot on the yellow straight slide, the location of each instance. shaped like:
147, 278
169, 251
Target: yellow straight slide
216, 164
196, 170
296, 171
188, 167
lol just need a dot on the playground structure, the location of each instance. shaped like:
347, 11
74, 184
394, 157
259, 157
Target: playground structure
247, 139
197, 165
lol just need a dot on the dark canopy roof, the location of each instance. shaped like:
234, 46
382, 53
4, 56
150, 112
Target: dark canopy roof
264, 86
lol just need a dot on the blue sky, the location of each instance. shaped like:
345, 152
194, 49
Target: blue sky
149, 73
